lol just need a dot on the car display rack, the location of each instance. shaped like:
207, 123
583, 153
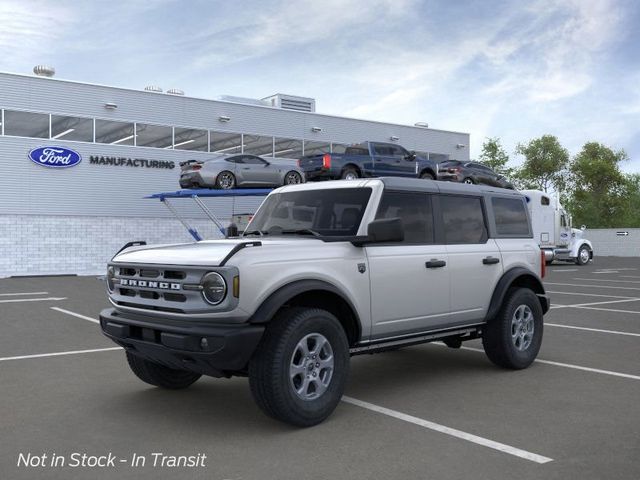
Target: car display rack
196, 195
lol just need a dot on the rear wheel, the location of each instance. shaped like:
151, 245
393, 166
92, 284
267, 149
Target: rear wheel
225, 180
584, 255
512, 339
292, 178
427, 176
350, 173
159, 375
468, 181
299, 371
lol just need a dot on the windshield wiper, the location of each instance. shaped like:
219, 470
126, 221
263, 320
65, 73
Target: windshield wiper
302, 231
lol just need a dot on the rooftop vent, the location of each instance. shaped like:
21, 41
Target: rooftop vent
291, 102
153, 88
175, 91
44, 71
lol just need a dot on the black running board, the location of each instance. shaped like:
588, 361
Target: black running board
416, 339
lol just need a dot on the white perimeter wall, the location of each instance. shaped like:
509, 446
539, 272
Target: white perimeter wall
606, 241
55, 245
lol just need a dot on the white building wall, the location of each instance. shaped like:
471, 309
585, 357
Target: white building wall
607, 242
57, 245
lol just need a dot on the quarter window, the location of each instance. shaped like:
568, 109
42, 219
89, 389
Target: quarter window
463, 219
511, 217
414, 209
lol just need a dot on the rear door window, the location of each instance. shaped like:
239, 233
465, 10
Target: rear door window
463, 219
511, 217
414, 209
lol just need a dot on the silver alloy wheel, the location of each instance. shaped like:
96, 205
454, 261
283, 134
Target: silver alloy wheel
351, 176
468, 181
584, 255
292, 178
522, 327
311, 366
226, 180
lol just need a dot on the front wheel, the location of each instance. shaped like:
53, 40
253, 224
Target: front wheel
512, 339
225, 180
584, 255
159, 375
299, 371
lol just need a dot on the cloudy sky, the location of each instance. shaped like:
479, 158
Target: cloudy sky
511, 69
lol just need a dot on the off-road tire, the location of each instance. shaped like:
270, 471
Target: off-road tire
269, 368
427, 176
497, 335
159, 375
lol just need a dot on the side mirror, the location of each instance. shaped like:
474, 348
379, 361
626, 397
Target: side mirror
385, 230
583, 228
411, 156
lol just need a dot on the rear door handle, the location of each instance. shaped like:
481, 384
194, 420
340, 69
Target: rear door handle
490, 260
435, 263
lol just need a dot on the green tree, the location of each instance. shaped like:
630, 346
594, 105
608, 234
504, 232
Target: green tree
495, 157
600, 192
545, 164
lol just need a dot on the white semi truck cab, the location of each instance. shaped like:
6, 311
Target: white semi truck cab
553, 230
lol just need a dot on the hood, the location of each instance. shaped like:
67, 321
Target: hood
205, 253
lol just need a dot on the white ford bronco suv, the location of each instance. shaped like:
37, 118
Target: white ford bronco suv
329, 270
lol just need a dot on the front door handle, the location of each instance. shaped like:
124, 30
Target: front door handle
433, 263
490, 260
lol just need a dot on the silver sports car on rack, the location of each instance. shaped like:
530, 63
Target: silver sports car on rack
240, 170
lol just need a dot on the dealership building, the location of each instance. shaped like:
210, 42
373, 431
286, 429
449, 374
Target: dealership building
129, 144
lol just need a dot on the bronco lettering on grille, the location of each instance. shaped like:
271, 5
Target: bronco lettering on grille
147, 284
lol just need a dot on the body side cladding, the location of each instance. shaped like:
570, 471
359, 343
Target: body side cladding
517, 276
309, 293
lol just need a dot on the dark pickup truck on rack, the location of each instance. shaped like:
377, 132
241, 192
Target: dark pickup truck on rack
368, 159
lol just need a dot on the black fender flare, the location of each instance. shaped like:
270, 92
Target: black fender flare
525, 278
282, 295
430, 170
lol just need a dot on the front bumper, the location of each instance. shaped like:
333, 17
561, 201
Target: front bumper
215, 350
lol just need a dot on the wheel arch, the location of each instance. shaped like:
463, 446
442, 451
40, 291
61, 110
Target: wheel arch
516, 277
354, 166
429, 170
313, 294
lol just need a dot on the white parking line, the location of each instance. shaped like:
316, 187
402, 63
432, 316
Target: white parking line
629, 276
591, 286
589, 294
23, 293
578, 305
48, 299
569, 270
598, 330
73, 314
606, 280
565, 365
533, 457
609, 310
58, 354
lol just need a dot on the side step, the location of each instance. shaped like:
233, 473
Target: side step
416, 339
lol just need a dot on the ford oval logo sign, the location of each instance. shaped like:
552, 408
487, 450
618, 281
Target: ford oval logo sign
55, 157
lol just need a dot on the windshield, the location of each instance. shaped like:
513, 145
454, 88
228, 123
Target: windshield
326, 213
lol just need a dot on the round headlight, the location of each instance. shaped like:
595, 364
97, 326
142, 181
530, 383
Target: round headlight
111, 273
214, 288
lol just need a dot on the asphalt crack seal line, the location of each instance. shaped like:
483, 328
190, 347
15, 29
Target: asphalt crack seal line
485, 442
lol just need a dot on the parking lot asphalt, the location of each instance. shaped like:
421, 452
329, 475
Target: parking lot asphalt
426, 412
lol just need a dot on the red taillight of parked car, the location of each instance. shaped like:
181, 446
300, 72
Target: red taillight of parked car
453, 170
543, 264
196, 167
326, 161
